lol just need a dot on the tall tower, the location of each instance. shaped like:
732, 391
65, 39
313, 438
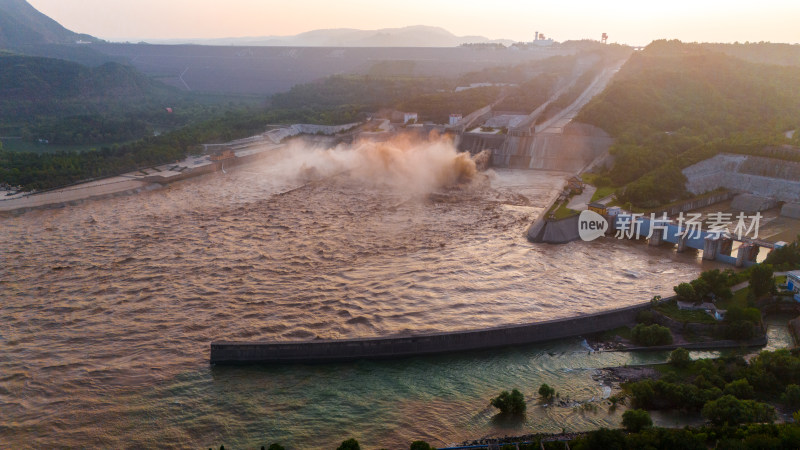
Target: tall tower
604, 38
537, 36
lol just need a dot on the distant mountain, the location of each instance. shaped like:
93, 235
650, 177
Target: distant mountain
22, 25
413, 36
25, 30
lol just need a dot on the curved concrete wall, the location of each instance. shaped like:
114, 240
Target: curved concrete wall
554, 231
561, 231
399, 347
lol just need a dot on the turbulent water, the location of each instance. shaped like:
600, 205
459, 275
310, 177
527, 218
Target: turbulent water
108, 307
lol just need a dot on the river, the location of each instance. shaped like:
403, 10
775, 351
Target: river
109, 306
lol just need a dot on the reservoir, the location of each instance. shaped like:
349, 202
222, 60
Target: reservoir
108, 306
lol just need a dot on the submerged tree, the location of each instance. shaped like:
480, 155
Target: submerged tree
510, 403
546, 392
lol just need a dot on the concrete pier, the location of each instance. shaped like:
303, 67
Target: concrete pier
656, 238
747, 254
427, 344
710, 248
682, 238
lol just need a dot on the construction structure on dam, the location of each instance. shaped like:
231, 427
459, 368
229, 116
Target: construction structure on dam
517, 141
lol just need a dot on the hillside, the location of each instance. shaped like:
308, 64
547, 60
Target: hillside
35, 79
761, 52
674, 104
24, 30
22, 25
66, 103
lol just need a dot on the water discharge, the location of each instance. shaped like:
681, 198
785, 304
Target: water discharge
408, 163
108, 306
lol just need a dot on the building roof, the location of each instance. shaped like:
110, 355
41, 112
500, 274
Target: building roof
794, 274
597, 205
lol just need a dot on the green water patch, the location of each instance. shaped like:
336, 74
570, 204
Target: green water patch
443, 399
440, 399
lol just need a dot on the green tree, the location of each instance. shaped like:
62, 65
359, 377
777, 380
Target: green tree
788, 256
735, 314
679, 358
761, 280
651, 335
421, 445
732, 411
716, 282
740, 389
546, 392
606, 439
634, 420
686, 292
791, 396
350, 444
275, 446
512, 403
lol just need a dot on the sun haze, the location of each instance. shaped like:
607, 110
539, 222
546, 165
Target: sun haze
630, 22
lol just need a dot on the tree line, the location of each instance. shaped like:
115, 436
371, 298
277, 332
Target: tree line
674, 104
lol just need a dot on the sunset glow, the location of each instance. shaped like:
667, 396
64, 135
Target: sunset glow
630, 22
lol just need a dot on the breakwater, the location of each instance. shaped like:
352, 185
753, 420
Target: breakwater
556, 231
316, 351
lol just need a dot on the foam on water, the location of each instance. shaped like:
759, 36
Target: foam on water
108, 307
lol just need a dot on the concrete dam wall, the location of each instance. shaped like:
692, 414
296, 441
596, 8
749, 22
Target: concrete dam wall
427, 344
570, 151
757, 175
555, 231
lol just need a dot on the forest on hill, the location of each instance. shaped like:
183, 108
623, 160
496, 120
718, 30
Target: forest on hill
761, 52
675, 104
129, 121
65, 103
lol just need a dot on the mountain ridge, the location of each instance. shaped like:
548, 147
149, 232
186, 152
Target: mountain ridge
409, 36
22, 25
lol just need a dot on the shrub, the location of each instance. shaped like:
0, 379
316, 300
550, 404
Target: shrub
732, 411
740, 389
420, 445
510, 403
679, 358
741, 330
546, 392
791, 396
275, 446
350, 444
651, 335
646, 317
605, 439
761, 281
735, 314
643, 393
686, 292
634, 420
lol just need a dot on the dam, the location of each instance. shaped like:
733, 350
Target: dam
326, 351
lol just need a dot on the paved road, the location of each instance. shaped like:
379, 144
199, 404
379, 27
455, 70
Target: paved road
557, 123
581, 202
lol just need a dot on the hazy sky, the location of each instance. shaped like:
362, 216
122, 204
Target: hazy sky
632, 22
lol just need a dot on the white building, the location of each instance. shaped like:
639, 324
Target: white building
410, 117
455, 118
793, 283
